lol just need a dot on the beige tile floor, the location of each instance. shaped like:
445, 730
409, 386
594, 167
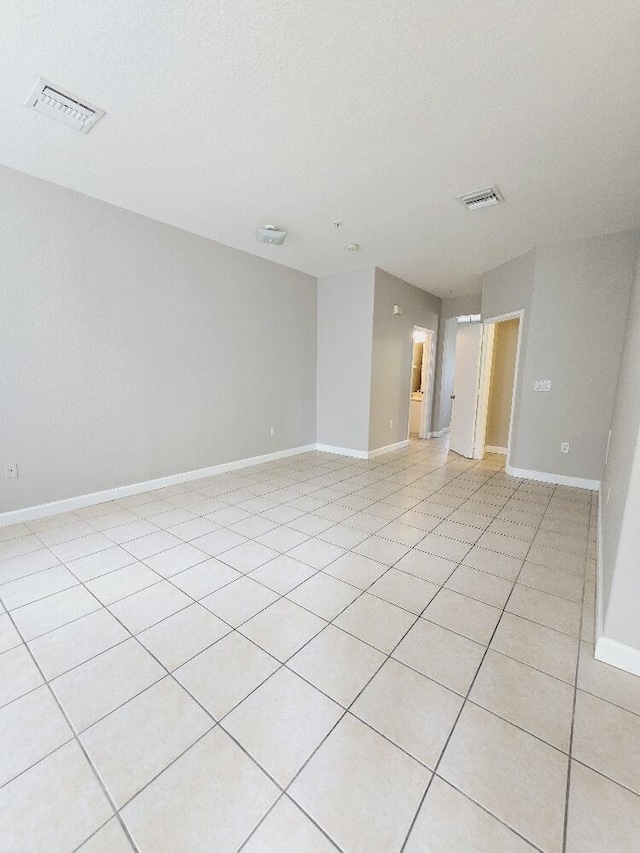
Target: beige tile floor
310, 655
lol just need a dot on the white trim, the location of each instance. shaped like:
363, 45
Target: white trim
555, 479
342, 451
618, 655
379, 451
42, 510
489, 448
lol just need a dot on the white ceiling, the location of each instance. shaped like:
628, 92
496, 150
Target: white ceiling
225, 114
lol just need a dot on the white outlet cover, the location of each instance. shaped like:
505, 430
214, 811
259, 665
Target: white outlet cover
542, 385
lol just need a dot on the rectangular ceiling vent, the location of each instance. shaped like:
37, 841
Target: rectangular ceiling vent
481, 198
52, 101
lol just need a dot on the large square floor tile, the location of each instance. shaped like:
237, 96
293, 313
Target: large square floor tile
211, 798
287, 830
282, 628
607, 738
526, 697
18, 674
337, 663
489, 769
375, 621
361, 789
538, 646
464, 615
602, 816
66, 647
99, 686
224, 674
71, 805
182, 636
324, 595
136, 742
448, 658
404, 590
30, 728
414, 712
238, 601
145, 608
282, 722
449, 822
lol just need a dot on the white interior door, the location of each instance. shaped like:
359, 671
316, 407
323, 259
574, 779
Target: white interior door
466, 376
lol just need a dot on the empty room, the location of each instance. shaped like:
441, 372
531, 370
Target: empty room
320, 426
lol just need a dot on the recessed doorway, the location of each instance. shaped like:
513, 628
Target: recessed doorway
422, 365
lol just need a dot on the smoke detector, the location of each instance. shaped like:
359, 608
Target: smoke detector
270, 234
54, 102
481, 198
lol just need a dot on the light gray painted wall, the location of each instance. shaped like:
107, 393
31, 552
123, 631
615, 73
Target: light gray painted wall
580, 298
345, 321
131, 350
446, 358
620, 493
391, 354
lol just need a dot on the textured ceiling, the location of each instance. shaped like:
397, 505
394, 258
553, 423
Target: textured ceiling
225, 114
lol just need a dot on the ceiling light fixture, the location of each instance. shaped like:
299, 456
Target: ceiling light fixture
271, 234
352, 247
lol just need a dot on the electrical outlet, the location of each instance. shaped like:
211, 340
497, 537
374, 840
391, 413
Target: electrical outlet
273, 430
542, 385
564, 447
390, 424
11, 470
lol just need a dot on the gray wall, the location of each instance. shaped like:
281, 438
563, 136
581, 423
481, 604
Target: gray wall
620, 493
578, 311
446, 355
575, 296
345, 320
391, 354
132, 350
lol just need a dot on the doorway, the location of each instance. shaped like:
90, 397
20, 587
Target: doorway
484, 386
496, 393
421, 391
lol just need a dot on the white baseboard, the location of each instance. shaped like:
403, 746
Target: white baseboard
439, 433
55, 507
342, 451
379, 451
555, 479
618, 655
490, 448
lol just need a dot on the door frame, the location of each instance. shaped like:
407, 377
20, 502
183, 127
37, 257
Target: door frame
427, 401
486, 358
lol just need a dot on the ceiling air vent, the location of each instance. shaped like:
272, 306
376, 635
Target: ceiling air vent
481, 198
61, 106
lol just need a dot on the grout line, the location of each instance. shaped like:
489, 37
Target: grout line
78, 741
462, 707
403, 485
573, 718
